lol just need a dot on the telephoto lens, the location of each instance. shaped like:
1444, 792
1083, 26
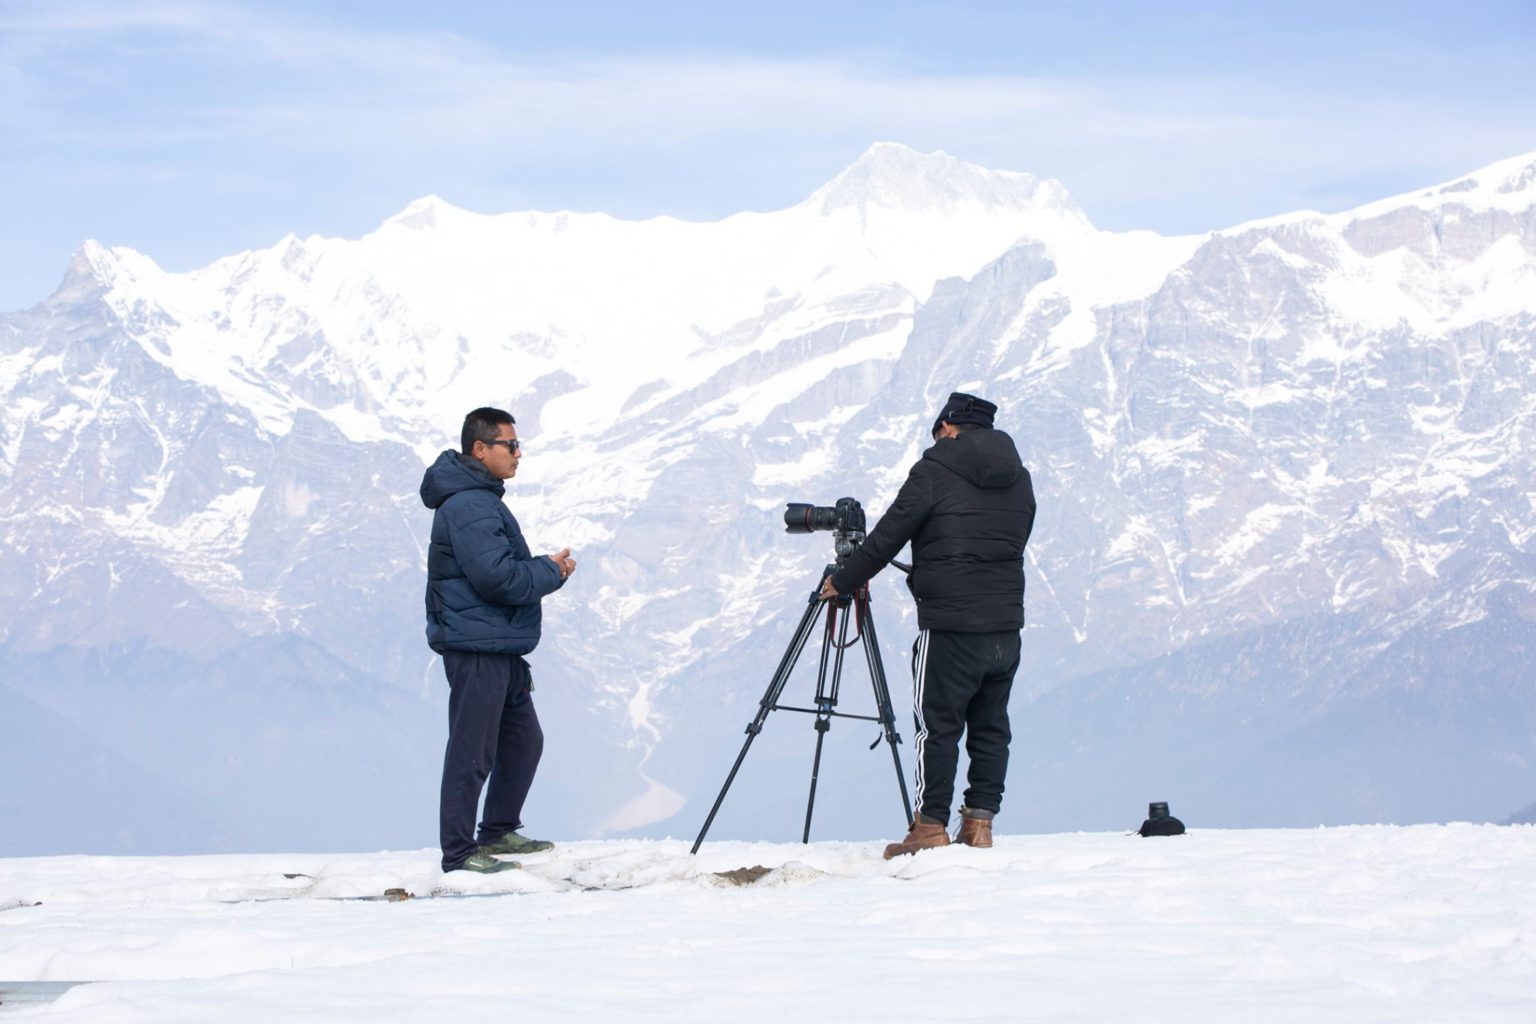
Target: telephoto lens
800, 517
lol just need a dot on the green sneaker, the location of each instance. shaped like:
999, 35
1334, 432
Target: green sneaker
485, 864
516, 844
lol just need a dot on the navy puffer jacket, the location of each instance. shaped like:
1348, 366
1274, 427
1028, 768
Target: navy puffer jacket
483, 585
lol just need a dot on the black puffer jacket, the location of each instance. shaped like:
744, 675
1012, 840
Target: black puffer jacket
968, 507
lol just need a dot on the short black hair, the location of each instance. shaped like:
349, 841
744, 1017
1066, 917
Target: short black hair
483, 425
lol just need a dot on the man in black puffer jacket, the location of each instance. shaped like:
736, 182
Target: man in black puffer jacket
968, 507
483, 592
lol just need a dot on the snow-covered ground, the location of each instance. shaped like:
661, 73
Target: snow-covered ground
1428, 923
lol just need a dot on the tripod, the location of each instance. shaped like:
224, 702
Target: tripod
843, 607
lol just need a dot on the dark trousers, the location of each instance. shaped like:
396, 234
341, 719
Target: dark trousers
493, 731
961, 683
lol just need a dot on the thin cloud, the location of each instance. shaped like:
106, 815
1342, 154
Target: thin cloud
308, 87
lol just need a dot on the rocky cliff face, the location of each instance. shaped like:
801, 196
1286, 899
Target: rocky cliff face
1285, 532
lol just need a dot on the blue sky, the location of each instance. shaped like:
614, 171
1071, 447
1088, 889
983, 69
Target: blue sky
191, 129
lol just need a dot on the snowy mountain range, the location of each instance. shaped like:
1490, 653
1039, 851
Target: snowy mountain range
1283, 571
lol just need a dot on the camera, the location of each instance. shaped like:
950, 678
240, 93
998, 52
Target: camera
845, 520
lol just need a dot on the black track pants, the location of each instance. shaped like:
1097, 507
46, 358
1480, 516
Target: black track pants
961, 684
493, 731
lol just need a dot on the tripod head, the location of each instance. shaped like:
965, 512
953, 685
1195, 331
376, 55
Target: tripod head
845, 543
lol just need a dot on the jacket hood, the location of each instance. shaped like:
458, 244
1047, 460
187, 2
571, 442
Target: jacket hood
452, 473
985, 458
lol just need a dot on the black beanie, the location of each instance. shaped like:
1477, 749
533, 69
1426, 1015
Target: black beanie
963, 408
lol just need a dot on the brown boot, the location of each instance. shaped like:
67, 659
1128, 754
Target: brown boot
975, 828
923, 835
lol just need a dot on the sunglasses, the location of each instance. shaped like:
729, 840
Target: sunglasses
512, 446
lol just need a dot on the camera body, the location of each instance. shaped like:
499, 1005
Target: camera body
845, 520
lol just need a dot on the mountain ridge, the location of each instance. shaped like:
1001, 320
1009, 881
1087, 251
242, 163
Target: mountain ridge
1230, 433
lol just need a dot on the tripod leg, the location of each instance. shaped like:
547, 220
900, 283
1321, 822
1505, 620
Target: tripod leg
770, 698
826, 700
822, 724
751, 735
883, 697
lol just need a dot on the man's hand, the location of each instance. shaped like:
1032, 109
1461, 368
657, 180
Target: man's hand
566, 563
828, 591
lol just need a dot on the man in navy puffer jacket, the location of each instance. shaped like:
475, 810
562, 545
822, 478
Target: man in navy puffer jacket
483, 592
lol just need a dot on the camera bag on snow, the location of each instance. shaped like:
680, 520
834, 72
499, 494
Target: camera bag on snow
1160, 823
